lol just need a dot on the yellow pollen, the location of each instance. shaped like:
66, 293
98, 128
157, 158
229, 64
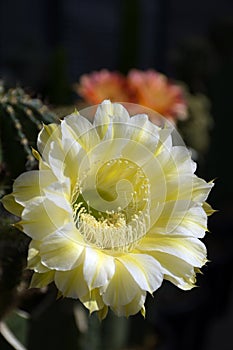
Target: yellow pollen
113, 233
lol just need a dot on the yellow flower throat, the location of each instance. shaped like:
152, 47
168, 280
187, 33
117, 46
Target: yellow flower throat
119, 229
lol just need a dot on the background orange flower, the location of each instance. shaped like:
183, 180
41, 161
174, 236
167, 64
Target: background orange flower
155, 91
148, 88
97, 86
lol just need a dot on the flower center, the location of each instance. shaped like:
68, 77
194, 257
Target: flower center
119, 229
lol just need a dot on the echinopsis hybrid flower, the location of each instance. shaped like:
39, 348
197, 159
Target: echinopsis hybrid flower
114, 209
148, 88
103, 84
153, 90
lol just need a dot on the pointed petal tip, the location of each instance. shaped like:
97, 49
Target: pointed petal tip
102, 314
36, 154
59, 295
143, 312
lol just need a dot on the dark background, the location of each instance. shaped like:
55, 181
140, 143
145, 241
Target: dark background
45, 45
43, 42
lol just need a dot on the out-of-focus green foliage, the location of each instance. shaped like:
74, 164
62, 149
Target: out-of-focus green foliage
196, 129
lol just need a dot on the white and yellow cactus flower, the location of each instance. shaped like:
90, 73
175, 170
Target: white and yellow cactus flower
114, 209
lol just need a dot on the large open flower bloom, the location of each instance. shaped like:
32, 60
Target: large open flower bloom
114, 209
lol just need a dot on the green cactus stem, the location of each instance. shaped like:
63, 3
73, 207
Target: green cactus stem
21, 118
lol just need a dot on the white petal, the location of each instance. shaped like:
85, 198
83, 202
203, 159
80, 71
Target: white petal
201, 189
41, 218
115, 110
73, 155
122, 288
194, 223
178, 162
60, 193
116, 130
120, 113
165, 142
71, 283
141, 130
179, 187
102, 118
139, 154
176, 270
47, 135
59, 252
11, 205
189, 249
79, 129
136, 305
111, 120
31, 184
144, 269
178, 218
98, 268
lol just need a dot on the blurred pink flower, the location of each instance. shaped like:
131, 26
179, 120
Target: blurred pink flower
155, 91
98, 86
148, 88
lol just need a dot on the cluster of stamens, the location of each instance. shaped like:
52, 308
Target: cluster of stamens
120, 229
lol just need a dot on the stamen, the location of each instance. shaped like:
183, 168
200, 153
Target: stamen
113, 232
121, 229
